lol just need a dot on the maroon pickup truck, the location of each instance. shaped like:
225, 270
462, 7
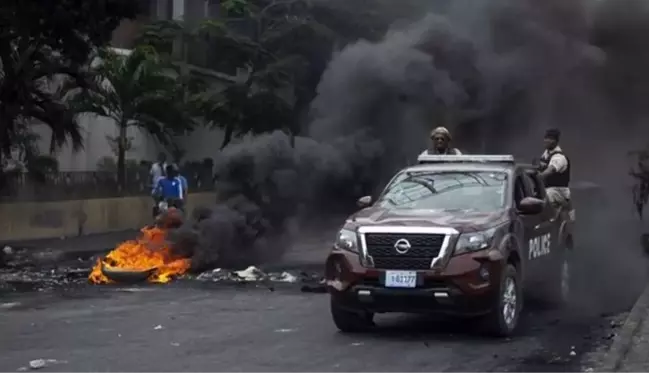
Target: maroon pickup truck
457, 235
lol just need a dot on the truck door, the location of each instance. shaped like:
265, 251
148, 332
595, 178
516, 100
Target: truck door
541, 232
550, 217
528, 221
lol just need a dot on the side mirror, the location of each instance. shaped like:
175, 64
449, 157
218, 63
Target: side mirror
531, 206
364, 202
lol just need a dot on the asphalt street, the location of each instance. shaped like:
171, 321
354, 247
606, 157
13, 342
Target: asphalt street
195, 326
185, 327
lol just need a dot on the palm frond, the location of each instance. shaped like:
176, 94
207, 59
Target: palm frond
161, 35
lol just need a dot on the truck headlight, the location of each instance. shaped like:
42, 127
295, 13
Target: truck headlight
474, 241
347, 240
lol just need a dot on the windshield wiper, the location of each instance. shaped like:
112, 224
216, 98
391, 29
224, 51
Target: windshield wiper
389, 200
423, 182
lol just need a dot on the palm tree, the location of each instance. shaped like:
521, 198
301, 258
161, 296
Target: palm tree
138, 90
30, 79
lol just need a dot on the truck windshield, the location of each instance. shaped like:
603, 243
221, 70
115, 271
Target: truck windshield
473, 190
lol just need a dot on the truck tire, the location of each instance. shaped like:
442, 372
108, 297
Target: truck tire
503, 319
349, 321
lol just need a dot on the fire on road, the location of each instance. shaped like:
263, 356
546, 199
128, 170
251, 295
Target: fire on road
150, 254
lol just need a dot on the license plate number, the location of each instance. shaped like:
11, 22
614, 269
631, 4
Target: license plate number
400, 279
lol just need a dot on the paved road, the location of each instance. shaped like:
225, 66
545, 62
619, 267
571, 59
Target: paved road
220, 328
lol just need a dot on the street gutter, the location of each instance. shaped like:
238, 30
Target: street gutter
623, 341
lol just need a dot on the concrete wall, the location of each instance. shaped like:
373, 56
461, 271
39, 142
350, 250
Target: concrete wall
22, 221
95, 130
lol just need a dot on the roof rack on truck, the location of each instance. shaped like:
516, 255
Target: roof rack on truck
470, 158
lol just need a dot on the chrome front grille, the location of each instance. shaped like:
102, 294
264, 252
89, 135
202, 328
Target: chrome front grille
424, 247
406, 264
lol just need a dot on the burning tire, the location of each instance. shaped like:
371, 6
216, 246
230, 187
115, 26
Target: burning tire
126, 275
348, 321
503, 319
149, 258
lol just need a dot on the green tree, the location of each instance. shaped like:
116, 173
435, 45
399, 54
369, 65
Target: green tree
281, 46
137, 91
43, 43
267, 41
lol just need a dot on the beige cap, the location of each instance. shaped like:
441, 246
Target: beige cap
441, 131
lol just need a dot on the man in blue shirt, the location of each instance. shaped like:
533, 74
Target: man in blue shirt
170, 188
183, 180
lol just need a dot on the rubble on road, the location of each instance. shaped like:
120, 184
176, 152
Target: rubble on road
41, 280
40, 364
24, 272
254, 274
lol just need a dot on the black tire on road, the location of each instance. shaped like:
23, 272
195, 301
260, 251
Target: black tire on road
509, 290
349, 321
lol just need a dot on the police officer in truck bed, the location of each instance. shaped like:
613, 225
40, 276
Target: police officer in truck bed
554, 167
440, 142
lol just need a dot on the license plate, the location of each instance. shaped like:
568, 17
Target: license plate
400, 279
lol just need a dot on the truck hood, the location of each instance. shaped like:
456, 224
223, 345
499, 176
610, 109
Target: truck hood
462, 220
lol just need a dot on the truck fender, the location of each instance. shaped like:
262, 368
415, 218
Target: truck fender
511, 247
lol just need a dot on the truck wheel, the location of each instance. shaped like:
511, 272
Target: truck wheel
348, 321
503, 319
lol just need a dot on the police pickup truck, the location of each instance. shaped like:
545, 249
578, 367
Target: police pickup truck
464, 235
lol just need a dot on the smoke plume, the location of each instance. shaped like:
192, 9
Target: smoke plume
497, 74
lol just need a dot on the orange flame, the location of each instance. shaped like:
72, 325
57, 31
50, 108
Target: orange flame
149, 252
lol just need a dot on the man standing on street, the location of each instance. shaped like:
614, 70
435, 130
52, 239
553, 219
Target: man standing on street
440, 142
157, 172
183, 181
158, 169
554, 167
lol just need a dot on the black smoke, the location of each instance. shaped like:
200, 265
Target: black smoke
497, 73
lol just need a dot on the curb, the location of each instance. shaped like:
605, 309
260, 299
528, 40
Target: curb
84, 254
624, 339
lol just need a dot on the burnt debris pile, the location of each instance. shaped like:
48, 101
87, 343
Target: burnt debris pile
497, 73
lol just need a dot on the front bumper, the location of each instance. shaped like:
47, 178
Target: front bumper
460, 289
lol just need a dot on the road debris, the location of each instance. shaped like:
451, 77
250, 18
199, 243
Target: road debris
175, 344
284, 277
23, 272
251, 273
42, 363
158, 327
254, 274
9, 305
284, 330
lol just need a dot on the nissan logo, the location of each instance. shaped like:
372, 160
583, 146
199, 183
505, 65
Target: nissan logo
402, 246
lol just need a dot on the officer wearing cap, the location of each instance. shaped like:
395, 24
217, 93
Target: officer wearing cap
440, 142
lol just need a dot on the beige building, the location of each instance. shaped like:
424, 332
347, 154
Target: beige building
198, 145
